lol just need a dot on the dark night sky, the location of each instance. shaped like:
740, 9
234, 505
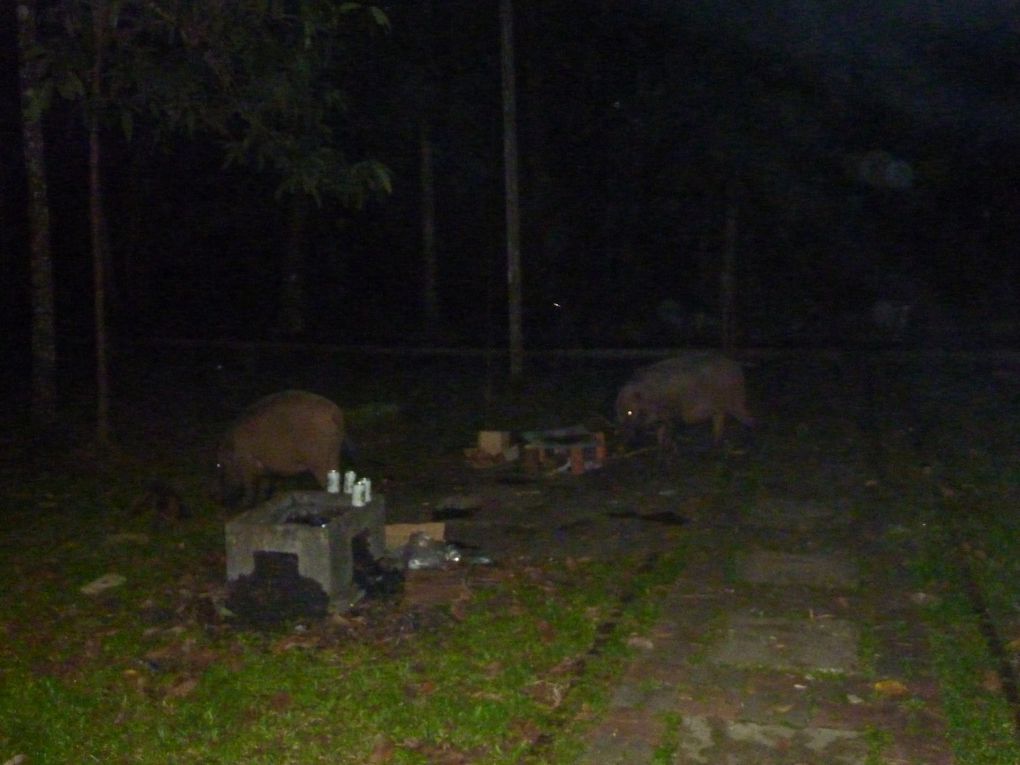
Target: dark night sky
634, 120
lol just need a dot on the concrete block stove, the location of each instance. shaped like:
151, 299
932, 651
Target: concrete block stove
316, 527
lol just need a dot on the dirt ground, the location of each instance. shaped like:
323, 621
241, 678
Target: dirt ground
847, 460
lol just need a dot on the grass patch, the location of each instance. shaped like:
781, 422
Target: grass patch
968, 558
138, 674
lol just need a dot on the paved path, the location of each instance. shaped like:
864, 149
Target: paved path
791, 639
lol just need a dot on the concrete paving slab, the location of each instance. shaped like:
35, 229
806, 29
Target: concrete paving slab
826, 645
623, 738
831, 570
798, 515
712, 740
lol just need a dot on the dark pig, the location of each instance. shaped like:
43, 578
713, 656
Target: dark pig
283, 434
693, 388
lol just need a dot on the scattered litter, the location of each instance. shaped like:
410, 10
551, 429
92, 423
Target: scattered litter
398, 534
477, 458
575, 449
854, 699
105, 582
422, 551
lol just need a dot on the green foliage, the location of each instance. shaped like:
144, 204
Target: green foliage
262, 77
267, 77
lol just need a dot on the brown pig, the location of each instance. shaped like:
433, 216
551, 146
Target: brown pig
283, 434
693, 388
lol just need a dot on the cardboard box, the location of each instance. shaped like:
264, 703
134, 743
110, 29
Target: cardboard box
493, 441
397, 534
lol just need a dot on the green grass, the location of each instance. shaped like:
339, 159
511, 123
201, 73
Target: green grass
517, 675
78, 684
969, 559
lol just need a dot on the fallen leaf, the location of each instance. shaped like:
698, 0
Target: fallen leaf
546, 632
105, 582
1013, 646
991, 681
183, 688
546, 693
382, 751
492, 669
280, 701
459, 609
891, 688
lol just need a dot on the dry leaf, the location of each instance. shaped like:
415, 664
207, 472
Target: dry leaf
546, 632
183, 688
280, 701
642, 643
492, 669
459, 609
991, 681
382, 751
891, 688
1013, 646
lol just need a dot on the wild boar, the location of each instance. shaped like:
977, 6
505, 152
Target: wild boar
692, 388
282, 434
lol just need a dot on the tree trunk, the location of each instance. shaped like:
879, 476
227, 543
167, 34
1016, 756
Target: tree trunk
513, 212
727, 281
292, 298
426, 90
430, 276
44, 348
99, 261
97, 226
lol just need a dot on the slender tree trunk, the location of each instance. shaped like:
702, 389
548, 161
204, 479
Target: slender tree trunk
513, 210
430, 276
727, 282
97, 227
292, 298
99, 287
44, 348
426, 103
